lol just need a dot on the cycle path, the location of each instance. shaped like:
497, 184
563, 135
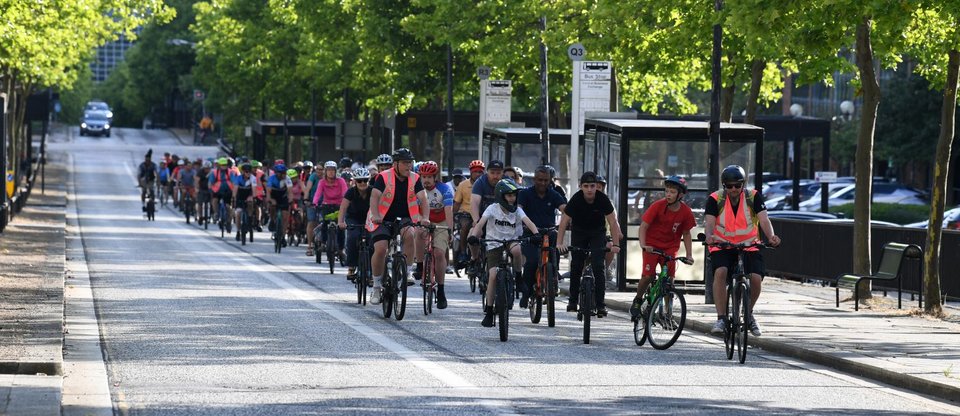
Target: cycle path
895, 346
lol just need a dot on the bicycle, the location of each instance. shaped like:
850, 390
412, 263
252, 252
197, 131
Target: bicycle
327, 230
544, 290
187, 204
246, 224
224, 220
206, 210
278, 241
294, 223
455, 243
585, 307
657, 310
428, 278
364, 277
151, 208
394, 291
738, 318
504, 286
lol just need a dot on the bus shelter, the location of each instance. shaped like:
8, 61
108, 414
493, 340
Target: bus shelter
636, 155
521, 146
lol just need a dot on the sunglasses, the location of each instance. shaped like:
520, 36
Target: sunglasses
360, 180
733, 185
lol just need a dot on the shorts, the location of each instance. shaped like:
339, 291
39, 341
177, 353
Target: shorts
651, 261
493, 256
311, 213
441, 239
752, 261
382, 233
203, 195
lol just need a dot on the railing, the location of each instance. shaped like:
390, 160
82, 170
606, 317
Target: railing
22, 193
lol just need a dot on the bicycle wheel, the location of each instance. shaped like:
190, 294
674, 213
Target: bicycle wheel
535, 306
732, 317
400, 287
426, 282
243, 229
743, 326
386, 293
318, 254
278, 233
551, 289
331, 245
500, 305
640, 330
666, 319
472, 277
586, 306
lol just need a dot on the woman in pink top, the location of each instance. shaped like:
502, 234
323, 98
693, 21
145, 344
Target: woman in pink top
330, 191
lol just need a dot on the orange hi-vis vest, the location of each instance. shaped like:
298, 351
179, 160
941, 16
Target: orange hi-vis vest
218, 175
259, 191
389, 192
740, 227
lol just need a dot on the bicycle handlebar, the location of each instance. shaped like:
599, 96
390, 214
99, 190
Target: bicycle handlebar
739, 246
685, 260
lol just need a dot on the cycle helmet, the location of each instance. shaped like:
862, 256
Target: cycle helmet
347, 176
222, 161
361, 173
402, 154
346, 162
308, 164
279, 162
292, 174
257, 164
246, 167
477, 165
384, 159
416, 167
181, 162
330, 165
429, 168
279, 169
298, 165
601, 179
504, 187
677, 181
207, 164
519, 171
732, 174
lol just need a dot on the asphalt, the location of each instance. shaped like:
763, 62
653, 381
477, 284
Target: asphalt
898, 347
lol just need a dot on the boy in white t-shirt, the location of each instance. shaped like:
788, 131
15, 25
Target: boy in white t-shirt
504, 221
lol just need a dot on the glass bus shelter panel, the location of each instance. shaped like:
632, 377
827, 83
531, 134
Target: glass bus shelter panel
743, 154
464, 150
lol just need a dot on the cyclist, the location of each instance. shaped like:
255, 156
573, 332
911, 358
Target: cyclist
203, 187
462, 204
584, 215
295, 192
243, 193
164, 177
217, 179
665, 223
355, 205
389, 201
455, 178
733, 216
278, 196
383, 163
187, 177
146, 175
329, 195
515, 173
346, 166
541, 203
502, 220
440, 201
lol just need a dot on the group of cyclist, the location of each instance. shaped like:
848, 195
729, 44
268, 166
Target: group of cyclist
492, 203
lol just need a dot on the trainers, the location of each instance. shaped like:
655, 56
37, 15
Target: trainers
441, 298
601, 312
449, 270
719, 327
571, 306
524, 300
351, 274
375, 297
754, 328
487, 320
238, 236
636, 307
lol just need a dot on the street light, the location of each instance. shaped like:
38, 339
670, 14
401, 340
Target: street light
846, 109
796, 110
181, 42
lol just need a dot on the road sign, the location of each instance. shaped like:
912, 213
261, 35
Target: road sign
576, 52
826, 177
591, 90
483, 72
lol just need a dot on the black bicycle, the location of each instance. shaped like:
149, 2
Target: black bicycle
151, 208
278, 241
394, 292
327, 230
503, 285
739, 316
188, 205
586, 299
206, 210
364, 277
247, 222
224, 220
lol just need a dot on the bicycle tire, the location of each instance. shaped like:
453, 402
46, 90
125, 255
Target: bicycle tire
400, 287
278, 234
426, 281
732, 316
640, 331
386, 293
500, 305
331, 245
243, 229
743, 331
536, 307
659, 318
317, 253
472, 277
551, 295
586, 306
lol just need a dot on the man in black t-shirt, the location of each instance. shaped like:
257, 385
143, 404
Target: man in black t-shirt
394, 185
585, 214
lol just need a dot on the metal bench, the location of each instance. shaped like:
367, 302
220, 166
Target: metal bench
891, 268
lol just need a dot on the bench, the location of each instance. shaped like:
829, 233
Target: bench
891, 268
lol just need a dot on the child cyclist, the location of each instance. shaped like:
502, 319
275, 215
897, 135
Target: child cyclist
504, 220
665, 222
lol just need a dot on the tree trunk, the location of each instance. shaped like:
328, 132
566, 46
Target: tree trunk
864, 160
931, 258
756, 78
726, 103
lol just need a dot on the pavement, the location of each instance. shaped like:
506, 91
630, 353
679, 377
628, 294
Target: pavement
898, 347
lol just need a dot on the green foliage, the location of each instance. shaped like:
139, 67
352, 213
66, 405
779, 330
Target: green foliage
73, 100
908, 120
895, 213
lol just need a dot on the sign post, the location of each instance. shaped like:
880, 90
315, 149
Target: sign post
591, 92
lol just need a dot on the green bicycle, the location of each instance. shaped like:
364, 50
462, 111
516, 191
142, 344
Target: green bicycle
663, 310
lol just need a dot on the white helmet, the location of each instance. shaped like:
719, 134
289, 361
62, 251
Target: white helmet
308, 164
180, 162
330, 164
384, 159
361, 173
207, 164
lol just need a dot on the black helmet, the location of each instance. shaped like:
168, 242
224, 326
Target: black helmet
732, 173
402, 154
677, 181
346, 162
506, 186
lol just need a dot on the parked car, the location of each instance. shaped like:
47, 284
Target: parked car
800, 215
951, 220
873, 223
776, 189
95, 123
892, 193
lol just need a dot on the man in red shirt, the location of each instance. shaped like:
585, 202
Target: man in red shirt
664, 224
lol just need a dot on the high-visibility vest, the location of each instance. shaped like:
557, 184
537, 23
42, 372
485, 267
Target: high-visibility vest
218, 175
740, 227
389, 192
